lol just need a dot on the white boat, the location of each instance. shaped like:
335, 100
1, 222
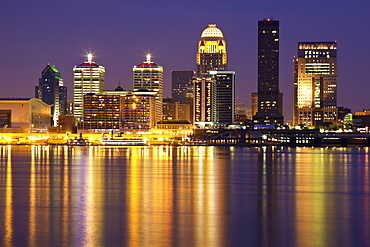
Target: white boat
124, 141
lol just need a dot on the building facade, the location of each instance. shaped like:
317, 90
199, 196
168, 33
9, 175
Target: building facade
182, 86
211, 51
88, 77
52, 91
203, 99
139, 110
101, 113
224, 96
149, 75
24, 115
269, 96
315, 84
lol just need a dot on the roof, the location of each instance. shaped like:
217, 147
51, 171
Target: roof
147, 64
174, 122
212, 31
23, 99
87, 64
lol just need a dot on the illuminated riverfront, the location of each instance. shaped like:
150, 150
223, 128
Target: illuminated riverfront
184, 196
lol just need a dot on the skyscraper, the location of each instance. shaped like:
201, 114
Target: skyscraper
88, 77
269, 96
182, 86
315, 84
211, 51
150, 76
203, 99
52, 91
224, 96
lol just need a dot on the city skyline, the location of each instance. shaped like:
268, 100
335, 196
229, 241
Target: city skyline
62, 37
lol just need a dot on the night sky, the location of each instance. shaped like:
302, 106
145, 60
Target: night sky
120, 33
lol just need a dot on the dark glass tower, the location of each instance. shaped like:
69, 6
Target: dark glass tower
182, 86
269, 96
52, 91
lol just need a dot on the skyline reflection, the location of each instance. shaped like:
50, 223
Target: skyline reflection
184, 196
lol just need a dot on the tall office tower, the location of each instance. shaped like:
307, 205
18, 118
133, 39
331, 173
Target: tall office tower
315, 84
269, 97
182, 86
211, 51
150, 76
203, 99
52, 91
88, 77
224, 96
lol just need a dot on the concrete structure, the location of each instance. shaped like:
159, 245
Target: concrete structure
24, 115
101, 113
269, 96
203, 99
211, 51
139, 110
174, 110
52, 91
88, 77
315, 84
149, 75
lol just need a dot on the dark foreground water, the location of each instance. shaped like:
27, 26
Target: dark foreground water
184, 196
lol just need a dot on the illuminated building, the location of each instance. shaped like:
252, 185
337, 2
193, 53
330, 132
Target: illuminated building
211, 51
269, 96
52, 91
101, 113
174, 110
149, 75
224, 96
203, 99
139, 110
24, 115
88, 77
315, 84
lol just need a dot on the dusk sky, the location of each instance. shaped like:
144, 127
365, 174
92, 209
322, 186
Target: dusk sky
120, 33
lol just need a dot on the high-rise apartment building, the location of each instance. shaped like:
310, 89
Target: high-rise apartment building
88, 77
269, 96
211, 51
52, 91
149, 75
315, 84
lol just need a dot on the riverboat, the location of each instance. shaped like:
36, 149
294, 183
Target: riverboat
123, 141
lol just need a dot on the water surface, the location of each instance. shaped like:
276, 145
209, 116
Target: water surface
184, 196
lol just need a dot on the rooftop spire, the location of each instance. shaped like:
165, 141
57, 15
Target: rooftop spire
90, 58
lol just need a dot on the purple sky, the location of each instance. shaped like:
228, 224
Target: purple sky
120, 33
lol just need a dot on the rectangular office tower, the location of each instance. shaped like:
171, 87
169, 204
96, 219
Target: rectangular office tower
269, 96
224, 96
315, 84
182, 86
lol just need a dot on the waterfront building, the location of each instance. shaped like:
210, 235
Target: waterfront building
24, 115
224, 96
174, 110
88, 77
101, 113
149, 75
211, 51
268, 96
139, 110
315, 84
52, 91
203, 99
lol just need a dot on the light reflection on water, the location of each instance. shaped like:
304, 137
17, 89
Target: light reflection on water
184, 196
